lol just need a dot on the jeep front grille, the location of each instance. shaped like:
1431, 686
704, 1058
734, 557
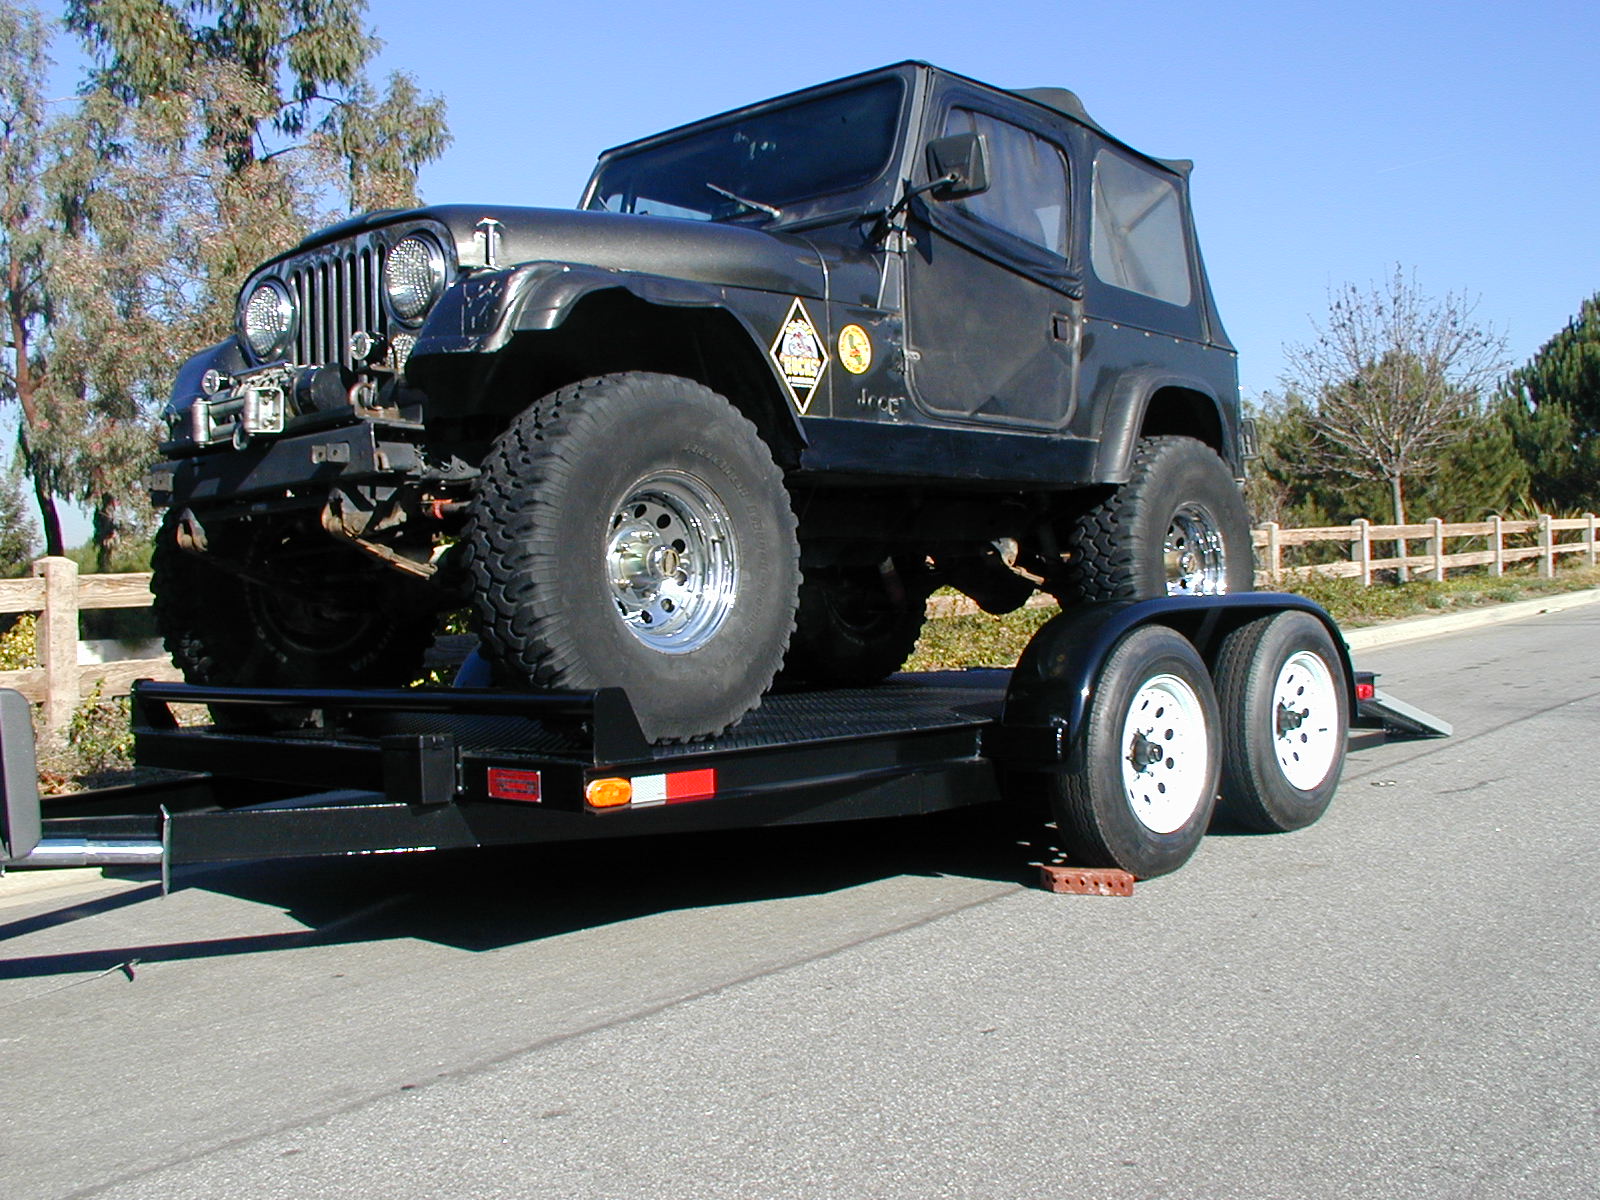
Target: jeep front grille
337, 293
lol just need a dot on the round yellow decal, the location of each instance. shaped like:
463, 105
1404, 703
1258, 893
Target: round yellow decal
855, 349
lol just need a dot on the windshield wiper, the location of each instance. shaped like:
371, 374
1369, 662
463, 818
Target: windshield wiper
753, 205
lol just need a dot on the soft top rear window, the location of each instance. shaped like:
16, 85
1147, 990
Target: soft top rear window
774, 158
1138, 241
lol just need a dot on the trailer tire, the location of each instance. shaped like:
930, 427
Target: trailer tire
1177, 527
1285, 718
633, 531
849, 629
1140, 794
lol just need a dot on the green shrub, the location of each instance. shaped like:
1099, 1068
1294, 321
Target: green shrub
99, 737
18, 650
950, 643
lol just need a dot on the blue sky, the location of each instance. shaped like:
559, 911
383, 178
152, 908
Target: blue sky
1331, 141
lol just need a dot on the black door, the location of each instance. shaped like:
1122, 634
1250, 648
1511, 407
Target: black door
993, 304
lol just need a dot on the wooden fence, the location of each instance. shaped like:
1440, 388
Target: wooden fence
58, 593
1544, 539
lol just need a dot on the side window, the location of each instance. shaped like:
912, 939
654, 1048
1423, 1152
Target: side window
1137, 241
1027, 194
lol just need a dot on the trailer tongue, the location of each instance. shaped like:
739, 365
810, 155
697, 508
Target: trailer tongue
1111, 715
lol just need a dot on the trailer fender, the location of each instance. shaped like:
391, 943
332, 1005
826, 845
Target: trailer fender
1042, 722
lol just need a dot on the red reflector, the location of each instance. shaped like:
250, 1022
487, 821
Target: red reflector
506, 784
691, 785
1365, 691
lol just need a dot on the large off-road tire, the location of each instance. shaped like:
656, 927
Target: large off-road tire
633, 531
1285, 717
851, 628
296, 610
1178, 527
1143, 793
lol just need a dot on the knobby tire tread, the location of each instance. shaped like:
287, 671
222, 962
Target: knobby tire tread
510, 558
1102, 545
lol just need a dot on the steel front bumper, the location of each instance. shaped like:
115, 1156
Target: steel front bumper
308, 463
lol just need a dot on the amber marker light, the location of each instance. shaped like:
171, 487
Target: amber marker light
608, 793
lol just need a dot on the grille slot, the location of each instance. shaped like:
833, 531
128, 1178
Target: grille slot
337, 292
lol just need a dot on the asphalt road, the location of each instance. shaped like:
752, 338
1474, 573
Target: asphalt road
1398, 1002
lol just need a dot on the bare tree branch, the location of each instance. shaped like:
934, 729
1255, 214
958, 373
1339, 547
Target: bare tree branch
1393, 378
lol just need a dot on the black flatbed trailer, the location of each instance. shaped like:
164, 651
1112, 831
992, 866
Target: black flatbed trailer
449, 768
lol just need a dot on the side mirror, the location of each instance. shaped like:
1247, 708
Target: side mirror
963, 160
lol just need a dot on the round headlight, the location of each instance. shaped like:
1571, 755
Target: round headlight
413, 277
268, 319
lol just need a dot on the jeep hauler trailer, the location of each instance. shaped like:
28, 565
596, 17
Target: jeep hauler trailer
786, 371
1126, 719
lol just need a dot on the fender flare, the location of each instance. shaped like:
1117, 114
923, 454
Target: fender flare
1123, 413
485, 311
1043, 721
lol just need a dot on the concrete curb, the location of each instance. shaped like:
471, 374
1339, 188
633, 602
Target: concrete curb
1415, 628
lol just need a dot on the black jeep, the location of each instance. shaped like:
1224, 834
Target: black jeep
786, 371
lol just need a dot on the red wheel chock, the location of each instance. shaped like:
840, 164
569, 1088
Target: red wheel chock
1086, 881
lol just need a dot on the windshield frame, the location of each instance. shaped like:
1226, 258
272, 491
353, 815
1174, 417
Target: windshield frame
870, 195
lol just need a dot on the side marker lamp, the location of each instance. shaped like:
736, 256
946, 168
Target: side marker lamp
608, 793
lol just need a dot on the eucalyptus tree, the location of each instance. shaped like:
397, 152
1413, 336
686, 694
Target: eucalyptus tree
27, 243
208, 137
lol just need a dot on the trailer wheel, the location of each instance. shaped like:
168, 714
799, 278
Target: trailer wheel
633, 531
1142, 793
1285, 717
1178, 527
850, 629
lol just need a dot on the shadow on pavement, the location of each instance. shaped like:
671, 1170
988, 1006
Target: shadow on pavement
486, 899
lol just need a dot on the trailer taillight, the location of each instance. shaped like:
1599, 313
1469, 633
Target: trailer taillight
508, 784
1365, 691
644, 791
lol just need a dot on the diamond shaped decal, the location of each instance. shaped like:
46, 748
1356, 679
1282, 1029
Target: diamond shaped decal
801, 355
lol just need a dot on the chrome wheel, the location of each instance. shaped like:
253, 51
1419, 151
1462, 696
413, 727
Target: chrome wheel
671, 562
1166, 753
1194, 554
1306, 723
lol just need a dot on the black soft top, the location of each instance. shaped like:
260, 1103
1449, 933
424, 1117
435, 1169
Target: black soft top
1057, 99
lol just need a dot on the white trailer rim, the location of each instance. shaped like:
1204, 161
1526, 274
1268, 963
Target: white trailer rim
1305, 720
1166, 748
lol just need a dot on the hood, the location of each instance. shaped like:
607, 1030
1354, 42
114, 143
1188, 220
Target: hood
725, 255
